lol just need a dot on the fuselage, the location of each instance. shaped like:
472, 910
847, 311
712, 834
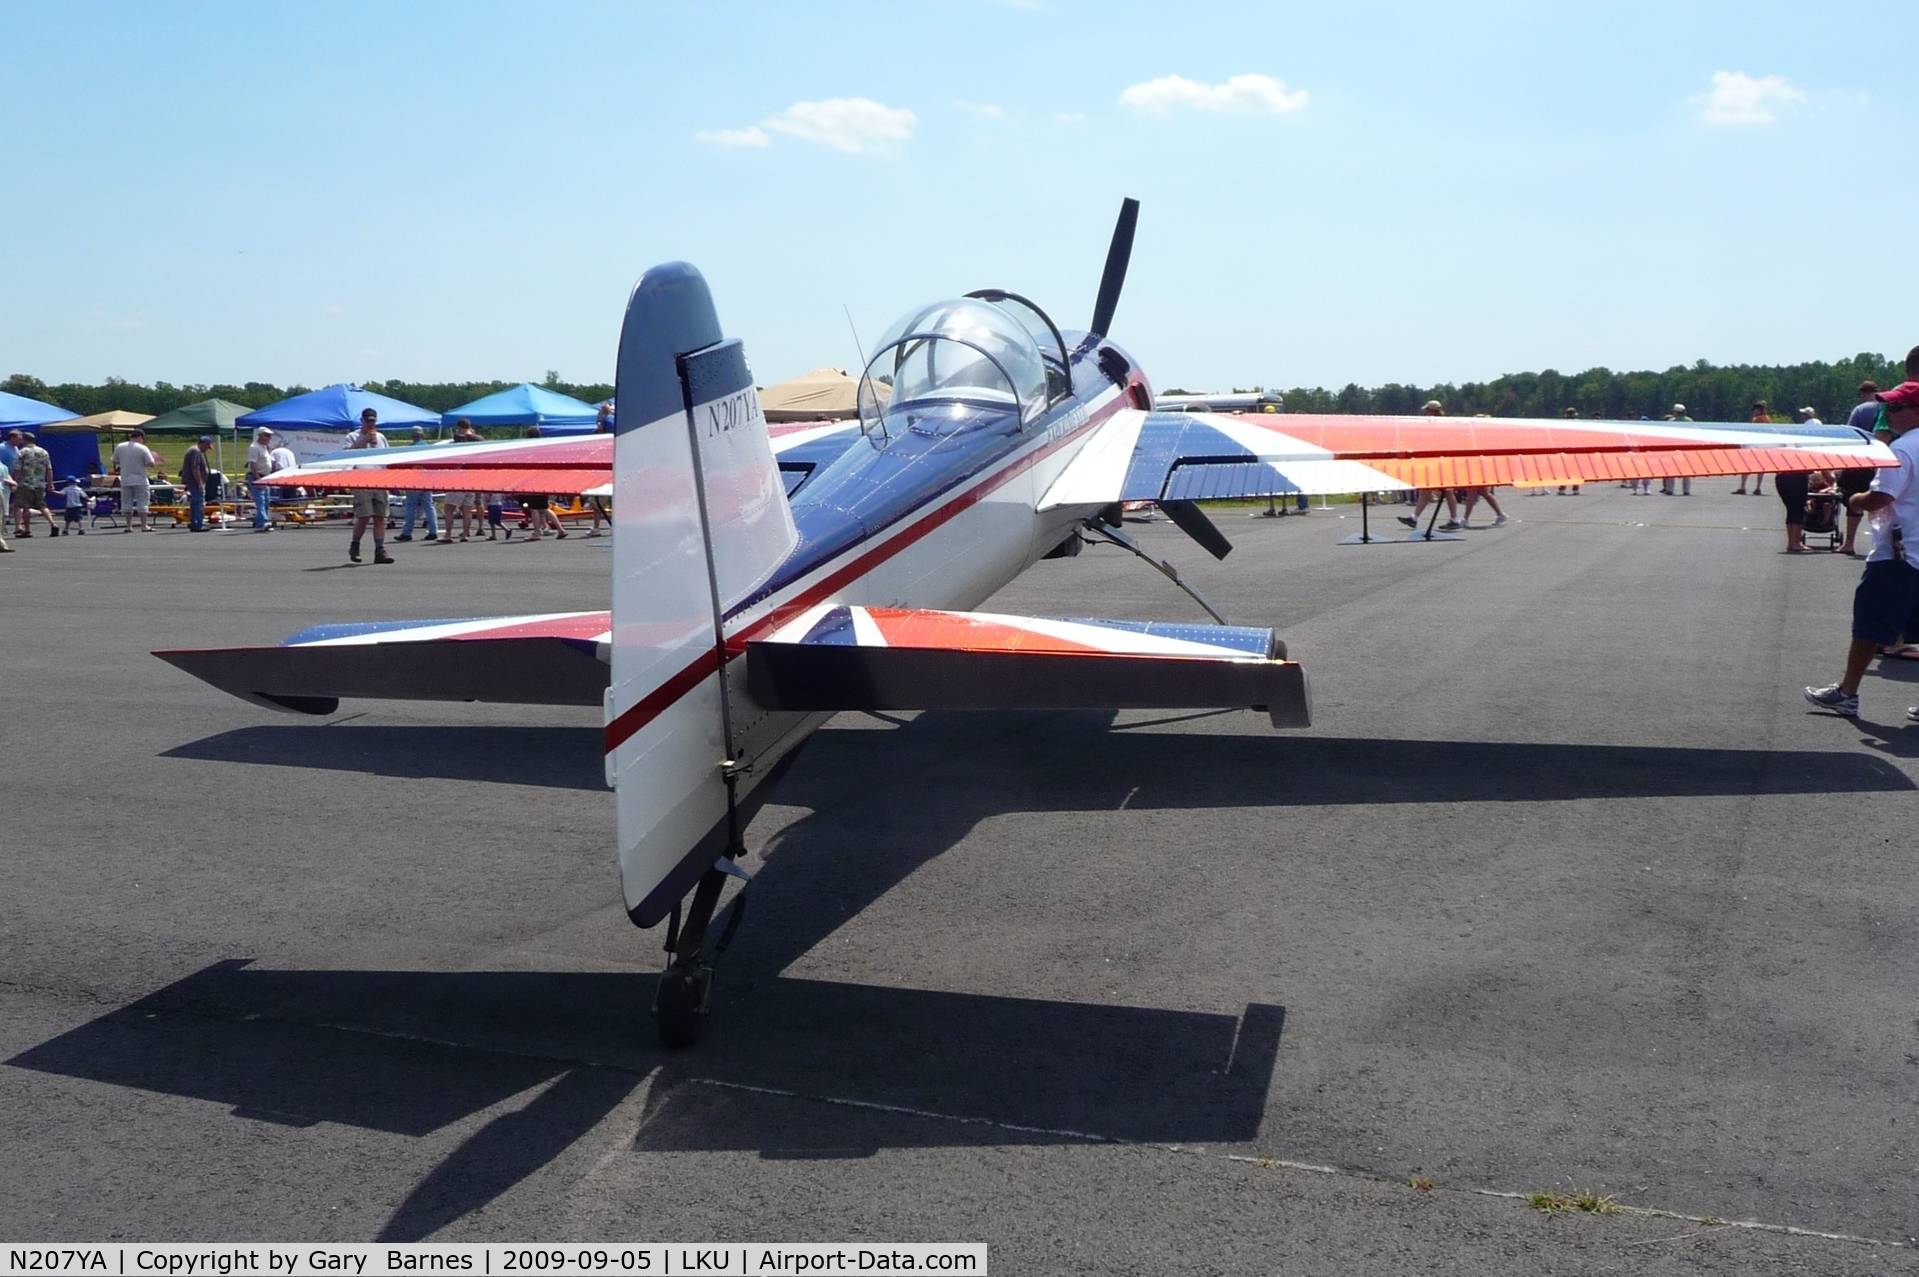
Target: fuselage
935, 505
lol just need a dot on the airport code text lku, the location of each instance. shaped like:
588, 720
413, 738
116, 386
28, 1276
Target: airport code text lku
285, 1259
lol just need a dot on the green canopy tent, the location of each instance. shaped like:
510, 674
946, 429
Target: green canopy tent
208, 417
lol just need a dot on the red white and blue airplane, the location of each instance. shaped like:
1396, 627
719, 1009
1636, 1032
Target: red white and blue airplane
767, 578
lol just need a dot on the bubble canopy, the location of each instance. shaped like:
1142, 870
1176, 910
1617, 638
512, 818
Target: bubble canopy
963, 351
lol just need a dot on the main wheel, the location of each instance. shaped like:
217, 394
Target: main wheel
679, 1007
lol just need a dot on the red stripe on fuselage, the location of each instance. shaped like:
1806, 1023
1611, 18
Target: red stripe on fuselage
650, 706
655, 702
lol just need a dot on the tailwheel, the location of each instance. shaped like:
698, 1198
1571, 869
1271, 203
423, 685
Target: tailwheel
680, 1004
685, 992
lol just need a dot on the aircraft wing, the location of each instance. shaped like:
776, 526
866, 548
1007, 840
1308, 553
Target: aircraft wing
567, 465
838, 657
1166, 456
553, 659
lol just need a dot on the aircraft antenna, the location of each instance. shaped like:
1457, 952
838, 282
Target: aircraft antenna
859, 347
1114, 277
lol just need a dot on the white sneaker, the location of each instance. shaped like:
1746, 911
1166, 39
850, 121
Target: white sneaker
1500, 520
1835, 699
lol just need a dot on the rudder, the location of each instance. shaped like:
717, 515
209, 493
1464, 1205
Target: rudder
700, 519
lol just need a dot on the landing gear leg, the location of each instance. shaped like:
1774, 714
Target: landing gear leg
685, 992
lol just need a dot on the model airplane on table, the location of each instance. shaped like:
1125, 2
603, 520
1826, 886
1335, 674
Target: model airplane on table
767, 578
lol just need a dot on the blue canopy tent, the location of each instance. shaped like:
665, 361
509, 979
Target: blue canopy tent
77, 454
529, 405
336, 407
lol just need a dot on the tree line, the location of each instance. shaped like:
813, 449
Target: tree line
1710, 392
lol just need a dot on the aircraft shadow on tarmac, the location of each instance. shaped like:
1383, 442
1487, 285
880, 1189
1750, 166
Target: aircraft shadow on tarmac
412, 1053
550, 757
1162, 769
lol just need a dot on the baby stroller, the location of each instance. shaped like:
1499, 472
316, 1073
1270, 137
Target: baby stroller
1822, 518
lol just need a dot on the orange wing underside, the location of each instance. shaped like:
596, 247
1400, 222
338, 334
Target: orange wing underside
1543, 468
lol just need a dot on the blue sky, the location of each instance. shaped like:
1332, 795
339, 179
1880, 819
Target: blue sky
1331, 193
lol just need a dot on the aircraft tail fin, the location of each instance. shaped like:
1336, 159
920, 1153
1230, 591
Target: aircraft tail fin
700, 520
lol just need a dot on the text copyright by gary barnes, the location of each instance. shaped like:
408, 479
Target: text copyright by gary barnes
275, 1259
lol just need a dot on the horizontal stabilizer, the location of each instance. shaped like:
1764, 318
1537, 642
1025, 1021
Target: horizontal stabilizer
846, 658
525, 660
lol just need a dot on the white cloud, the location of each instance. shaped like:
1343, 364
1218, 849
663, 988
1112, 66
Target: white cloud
984, 110
846, 124
752, 135
1738, 98
1241, 93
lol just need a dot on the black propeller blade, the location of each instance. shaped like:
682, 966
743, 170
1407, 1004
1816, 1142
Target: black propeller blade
1114, 277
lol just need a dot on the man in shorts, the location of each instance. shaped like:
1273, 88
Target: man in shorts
32, 474
137, 467
1885, 607
368, 506
461, 505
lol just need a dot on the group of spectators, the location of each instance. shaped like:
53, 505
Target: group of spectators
371, 507
27, 487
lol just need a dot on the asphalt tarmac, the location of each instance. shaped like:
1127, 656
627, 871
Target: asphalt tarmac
1568, 890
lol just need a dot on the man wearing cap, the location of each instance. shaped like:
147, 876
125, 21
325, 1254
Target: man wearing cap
1678, 413
418, 501
259, 466
369, 506
1885, 607
195, 474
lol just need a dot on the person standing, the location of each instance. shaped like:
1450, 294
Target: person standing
539, 509
259, 466
32, 474
137, 467
1759, 416
369, 506
196, 473
1426, 496
1885, 606
9, 458
416, 502
1665, 486
461, 504
73, 497
282, 457
1794, 489
1864, 418
6, 486
1570, 414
